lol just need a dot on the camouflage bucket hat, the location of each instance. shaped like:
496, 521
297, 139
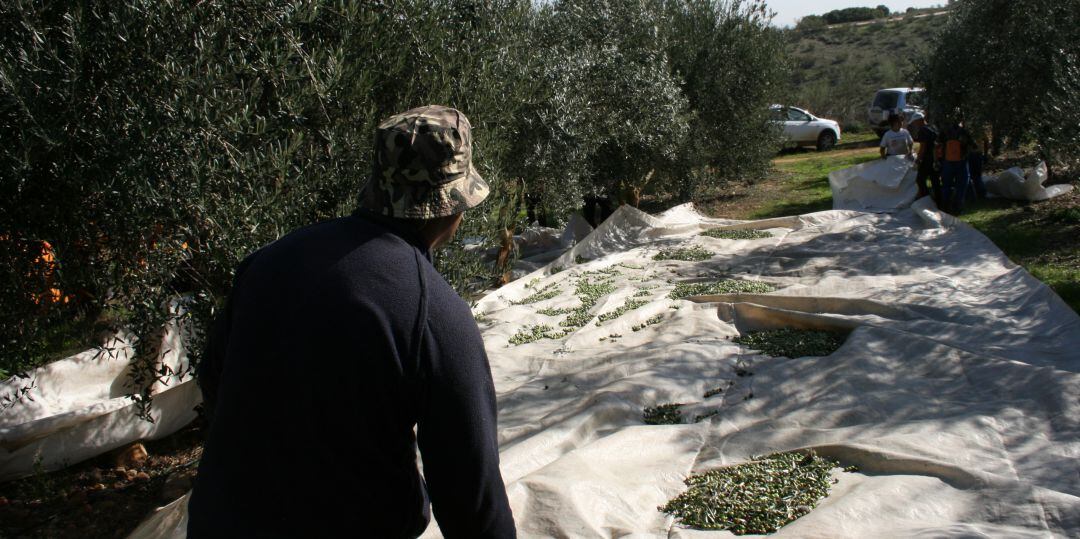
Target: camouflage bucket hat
423, 165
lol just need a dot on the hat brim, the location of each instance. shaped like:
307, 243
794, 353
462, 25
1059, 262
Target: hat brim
451, 198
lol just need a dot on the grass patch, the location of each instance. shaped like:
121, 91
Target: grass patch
759, 496
662, 414
1038, 236
793, 342
1065, 281
806, 182
736, 234
1065, 216
726, 286
864, 136
691, 254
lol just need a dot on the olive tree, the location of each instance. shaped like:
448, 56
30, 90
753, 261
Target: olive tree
731, 65
613, 111
1011, 66
153, 144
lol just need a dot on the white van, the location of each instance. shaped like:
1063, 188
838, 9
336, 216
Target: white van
902, 101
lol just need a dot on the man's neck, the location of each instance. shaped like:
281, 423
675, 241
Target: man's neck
405, 228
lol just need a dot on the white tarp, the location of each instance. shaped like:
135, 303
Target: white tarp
1015, 184
956, 393
880, 185
77, 408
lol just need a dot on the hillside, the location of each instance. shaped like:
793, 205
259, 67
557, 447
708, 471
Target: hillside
837, 69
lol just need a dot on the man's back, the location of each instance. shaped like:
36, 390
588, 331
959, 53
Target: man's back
337, 340
957, 143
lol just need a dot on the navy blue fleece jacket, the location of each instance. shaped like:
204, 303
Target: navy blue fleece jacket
337, 340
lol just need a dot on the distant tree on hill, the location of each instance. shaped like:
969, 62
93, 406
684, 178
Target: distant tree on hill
811, 22
855, 14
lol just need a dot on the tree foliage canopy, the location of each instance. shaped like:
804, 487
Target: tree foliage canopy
855, 14
1012, 66
154, 143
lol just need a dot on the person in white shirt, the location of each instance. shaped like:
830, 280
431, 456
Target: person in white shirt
897, 141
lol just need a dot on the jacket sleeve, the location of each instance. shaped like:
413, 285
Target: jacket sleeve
456, 426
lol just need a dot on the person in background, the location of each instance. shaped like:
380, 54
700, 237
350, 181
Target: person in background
593, 203
956, 145
925, 160
897, 140
977, 159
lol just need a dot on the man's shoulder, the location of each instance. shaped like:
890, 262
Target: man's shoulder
443, 299
345, 252
307, 236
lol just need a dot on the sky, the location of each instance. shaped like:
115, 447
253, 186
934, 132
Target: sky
787, 11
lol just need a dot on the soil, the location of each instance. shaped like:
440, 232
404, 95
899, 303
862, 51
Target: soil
98, 498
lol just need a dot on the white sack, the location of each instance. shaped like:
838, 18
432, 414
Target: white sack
78, 408
879, 185
1015, 185
957, 393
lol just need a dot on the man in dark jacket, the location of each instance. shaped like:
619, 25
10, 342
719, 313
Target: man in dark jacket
956, 143
926, 162
337, 341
